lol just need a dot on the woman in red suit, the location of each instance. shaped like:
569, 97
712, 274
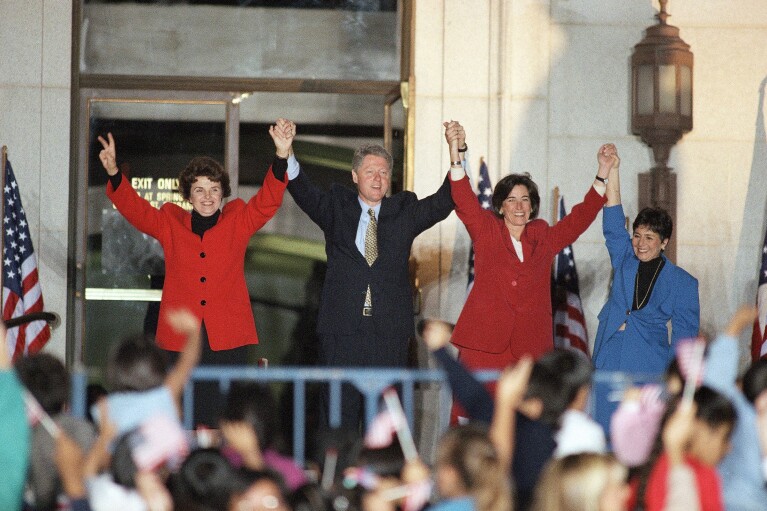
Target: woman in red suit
508, 311
205, 249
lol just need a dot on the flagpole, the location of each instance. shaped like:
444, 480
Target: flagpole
554, 218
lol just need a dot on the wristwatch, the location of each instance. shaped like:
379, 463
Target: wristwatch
603, 179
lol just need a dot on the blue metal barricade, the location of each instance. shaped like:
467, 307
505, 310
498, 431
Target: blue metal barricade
607, 390
370, 382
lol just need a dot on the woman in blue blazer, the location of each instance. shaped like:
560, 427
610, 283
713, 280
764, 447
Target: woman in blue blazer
647, 292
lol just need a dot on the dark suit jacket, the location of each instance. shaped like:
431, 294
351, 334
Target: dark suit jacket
401, 218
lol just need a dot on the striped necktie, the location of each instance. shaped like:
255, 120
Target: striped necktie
371, 249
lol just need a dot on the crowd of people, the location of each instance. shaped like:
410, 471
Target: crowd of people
696, 441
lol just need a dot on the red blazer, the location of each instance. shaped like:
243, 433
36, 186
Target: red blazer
510, 303
206, 276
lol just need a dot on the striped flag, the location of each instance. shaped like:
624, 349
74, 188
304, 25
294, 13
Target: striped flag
569, 322
21, 287
759, 335
485, 196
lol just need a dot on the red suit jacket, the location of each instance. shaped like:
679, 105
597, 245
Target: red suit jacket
206, 276
510, 303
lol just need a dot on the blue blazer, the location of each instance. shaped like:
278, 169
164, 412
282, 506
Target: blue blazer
643, 347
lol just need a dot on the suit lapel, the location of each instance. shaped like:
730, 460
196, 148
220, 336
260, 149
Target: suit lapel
351, 219
506, 235
662, 284
629, 280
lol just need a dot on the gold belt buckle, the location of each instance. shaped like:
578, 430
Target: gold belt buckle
367, 311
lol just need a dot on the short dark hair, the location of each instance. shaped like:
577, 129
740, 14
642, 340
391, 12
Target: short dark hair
755, 380
657, 220
371, 150
253, 403
553, 384
714, 408
136, 364
504, 187
205, 481
47, 380
203, 166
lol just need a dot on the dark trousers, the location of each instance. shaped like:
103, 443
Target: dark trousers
366, 347
208, 400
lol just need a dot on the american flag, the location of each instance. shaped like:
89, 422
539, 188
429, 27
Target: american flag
759, 335
21, 286
569, 322
485, 196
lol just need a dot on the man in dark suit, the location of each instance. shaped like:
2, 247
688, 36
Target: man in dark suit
366, 309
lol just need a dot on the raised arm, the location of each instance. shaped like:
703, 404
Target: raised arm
468, 391
607, 171
186, 323
682, 490
509, 393
455, 136
437, 207
108, 154
265, 203
613, 185
282, 132
567, 230
721, 369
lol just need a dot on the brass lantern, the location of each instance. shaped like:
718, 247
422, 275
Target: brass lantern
661, 106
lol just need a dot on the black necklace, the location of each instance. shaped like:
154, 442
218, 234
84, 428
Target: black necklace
643, 269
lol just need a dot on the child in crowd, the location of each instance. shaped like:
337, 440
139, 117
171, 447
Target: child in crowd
741, 470
708, 442
249, 426
582, 482
140, 430
578, 432
14, 432
527, 414
46, 378
755, 390
141, 386
469, 474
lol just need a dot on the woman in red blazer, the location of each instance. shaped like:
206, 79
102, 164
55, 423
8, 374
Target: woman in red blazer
508, 311
205, 248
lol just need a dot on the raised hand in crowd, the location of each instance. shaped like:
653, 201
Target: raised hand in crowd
98, 457
186, 323
436, 333
242, 437
509, 394
70, 461
678, 430
743, 318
